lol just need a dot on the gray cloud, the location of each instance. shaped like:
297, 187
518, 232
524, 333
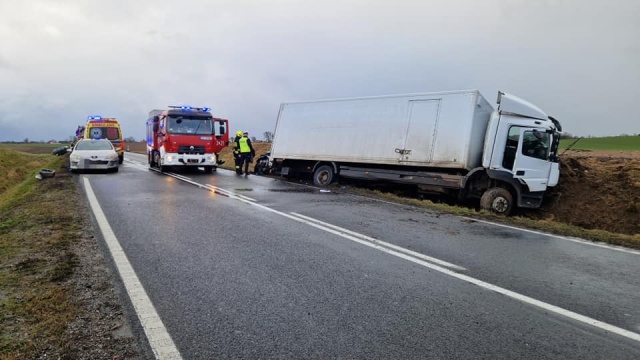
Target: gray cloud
64, 60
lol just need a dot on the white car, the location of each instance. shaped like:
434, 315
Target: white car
93, 154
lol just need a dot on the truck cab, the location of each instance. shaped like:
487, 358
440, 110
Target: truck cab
521, 151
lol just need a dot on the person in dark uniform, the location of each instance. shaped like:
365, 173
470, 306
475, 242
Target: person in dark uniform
236, 152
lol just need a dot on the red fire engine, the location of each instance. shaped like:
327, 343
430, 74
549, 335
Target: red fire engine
185, 136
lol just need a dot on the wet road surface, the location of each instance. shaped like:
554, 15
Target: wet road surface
252, 267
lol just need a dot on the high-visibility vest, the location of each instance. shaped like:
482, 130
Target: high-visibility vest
244, 146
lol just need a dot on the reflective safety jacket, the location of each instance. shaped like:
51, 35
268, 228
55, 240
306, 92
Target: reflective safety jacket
244, 146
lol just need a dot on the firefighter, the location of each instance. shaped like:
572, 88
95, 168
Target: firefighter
236, 152
246, 152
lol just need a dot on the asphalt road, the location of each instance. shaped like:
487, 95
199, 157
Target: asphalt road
252, 267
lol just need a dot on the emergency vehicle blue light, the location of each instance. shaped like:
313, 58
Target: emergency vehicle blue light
94, 117
206, 109
186, 108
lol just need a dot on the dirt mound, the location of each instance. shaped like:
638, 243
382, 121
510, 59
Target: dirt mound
597, 190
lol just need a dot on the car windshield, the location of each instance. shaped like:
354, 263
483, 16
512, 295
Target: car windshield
190, 125
94, 145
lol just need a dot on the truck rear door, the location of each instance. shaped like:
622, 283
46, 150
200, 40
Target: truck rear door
421, 128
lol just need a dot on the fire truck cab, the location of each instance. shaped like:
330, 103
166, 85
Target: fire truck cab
185, 137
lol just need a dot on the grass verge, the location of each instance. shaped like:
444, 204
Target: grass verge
37, 229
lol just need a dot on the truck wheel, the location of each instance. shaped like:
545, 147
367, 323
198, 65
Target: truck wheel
120, 159
208, 169
497, 200
323, 175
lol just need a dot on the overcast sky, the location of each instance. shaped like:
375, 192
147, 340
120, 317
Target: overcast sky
61, 60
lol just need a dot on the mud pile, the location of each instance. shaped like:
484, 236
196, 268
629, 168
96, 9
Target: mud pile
597, 190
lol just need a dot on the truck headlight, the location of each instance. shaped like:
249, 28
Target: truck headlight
170, 158
75, 157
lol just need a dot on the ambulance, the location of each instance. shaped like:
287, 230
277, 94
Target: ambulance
98, 127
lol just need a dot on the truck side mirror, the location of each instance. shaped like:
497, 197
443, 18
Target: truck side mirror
155, 127
156, 118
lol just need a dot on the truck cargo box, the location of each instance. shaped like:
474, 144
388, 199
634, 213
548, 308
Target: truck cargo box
444, 129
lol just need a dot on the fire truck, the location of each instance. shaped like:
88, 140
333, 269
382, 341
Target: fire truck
98, 127
185, 137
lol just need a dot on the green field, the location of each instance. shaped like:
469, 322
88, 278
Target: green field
604, 143
32, 148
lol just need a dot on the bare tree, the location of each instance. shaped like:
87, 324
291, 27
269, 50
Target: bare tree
268, 136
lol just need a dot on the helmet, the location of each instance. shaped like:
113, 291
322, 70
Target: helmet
239, 133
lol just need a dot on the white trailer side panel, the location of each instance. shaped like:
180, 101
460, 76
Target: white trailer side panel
435, 129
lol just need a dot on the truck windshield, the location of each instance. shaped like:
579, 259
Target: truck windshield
195, 125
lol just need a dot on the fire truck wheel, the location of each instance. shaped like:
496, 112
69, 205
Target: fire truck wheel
120, 159
208, 169
156, 162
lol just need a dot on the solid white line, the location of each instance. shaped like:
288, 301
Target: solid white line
383, 243
159, 339
575, 240
179, 176
523, 298
228, 193
514, 295
552, 308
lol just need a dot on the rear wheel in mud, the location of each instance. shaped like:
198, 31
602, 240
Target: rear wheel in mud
323, 175
497, 200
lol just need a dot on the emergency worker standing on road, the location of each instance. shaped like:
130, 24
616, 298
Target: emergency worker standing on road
246, 152
236, 152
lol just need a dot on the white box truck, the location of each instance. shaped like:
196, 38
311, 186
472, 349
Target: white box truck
445, 142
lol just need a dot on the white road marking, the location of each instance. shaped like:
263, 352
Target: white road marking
159, 339
512, 294
576, 240
228, 193
385, 244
